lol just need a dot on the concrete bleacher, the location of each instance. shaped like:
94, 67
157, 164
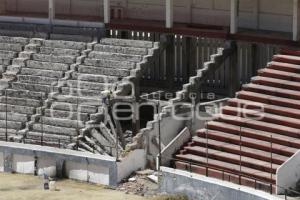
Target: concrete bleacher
81, 96
54, 91
45, 63
10, 47
255, 133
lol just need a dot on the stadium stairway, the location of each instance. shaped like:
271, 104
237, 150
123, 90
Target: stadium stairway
255, 133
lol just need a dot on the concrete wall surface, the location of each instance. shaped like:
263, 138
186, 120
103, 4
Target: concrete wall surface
174, 145
199, 187
1, 162
34, 159
288, 174
274, 15
135, 160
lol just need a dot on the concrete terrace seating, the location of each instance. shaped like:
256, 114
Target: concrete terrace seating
81, 96
246, 140
47, 63
10, 47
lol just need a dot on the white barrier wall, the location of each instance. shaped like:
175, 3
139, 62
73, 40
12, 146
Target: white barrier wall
23, 164
288, 174
46, 165
34, 159
167, 153
1, 162
135, 160
87, 172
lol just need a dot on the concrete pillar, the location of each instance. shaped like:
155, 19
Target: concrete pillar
106, 9
169, 13
51, 10
8, 161
295, 20
234, 82
233, 16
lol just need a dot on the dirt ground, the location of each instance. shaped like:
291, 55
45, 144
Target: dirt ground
28, 187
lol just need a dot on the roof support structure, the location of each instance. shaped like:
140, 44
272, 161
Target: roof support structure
106, 9
169, 13
234, 16
51, 10
296, 20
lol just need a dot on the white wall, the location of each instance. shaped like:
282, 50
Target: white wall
288, 174
46, 165
87, 172
1, 162
23, 164
167, 153
134, 161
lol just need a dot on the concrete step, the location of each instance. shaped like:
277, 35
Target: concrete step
67, 115
11, 124
73, 107
47, 65
84, 69
13, 117
14, 40
277, 110
115, 56
5, 61
231, 158
273, 91
286, 67
291, 52
120, 49
17, 109
261, 116
256, 181
78, 100
94, 78
287, 59
109, 63
59, 51
244, 142
62, 44
89, 85
46, 142
54, 59
34, 87
11, 47
8, 54
40, 72
81, 92
23, 93
268, 137
20, 101
61, 122
273, 82
265, 176
268, 99
126, 43
237, 149
9, 132
259, 125
41, 80
43, 128
37, 136
266, 72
